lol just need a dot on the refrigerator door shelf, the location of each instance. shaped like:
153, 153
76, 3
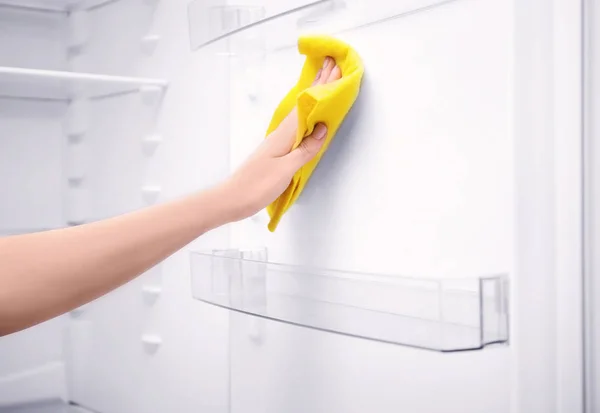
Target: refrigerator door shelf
444, 315
248, 26
34, 84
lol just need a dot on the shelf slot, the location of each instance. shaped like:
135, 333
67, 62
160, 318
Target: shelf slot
23, 83
435, 314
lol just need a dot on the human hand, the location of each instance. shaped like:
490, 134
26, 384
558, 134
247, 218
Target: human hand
269, 170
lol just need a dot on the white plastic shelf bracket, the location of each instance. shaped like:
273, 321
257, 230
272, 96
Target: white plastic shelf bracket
151, 94
76, 120
151, 293
77, 31
151, 343
76, 163
77, 205
149, 43
150, 194
150, 143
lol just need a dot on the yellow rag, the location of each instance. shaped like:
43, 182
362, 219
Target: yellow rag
326, 104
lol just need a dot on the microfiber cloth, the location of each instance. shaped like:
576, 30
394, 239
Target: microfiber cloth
328, 104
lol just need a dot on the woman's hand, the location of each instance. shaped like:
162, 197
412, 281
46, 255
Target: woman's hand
269, 170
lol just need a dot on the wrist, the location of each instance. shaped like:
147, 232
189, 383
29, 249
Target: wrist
208, 209
235, 202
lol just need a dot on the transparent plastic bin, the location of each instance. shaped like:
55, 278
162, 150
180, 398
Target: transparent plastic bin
210, 23
434, 314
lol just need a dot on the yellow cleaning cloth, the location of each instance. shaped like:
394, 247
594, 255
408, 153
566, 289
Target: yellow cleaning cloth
326, 104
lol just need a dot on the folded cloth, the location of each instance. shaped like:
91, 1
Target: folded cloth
325, 103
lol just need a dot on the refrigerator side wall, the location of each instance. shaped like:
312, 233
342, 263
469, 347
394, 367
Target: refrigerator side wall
31, 196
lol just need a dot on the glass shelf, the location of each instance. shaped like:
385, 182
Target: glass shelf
4, 232
56, 85
435, 314
46, 406
210, 24
55, 6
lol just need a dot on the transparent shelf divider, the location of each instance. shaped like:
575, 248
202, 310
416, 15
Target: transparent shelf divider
434, 314
279, 28
16, 82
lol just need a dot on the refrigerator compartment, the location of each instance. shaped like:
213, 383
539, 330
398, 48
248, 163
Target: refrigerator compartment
435, 314
209, 24
23, 83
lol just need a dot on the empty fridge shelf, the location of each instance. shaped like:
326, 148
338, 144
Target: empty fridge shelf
55, 6
25, 83
251, 25
4, 232
435, 314
45, 406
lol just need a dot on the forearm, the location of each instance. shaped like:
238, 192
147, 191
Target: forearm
46, 274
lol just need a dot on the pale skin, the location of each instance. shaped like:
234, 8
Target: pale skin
43, 275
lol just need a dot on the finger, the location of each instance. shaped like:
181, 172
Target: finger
328, 65
282, 139
317, 77
308, 149
336, 73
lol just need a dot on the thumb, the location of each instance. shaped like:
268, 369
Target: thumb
309, 148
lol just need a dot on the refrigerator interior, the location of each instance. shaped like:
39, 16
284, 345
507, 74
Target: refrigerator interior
439, 199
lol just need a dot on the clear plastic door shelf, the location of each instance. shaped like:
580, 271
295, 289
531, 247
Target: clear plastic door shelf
435, 314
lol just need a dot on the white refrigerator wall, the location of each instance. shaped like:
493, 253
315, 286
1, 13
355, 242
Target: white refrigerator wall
31, 180
30, 132
419, 181
148, 346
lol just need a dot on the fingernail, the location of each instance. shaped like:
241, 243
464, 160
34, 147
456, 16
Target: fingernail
326, 62
320, 131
